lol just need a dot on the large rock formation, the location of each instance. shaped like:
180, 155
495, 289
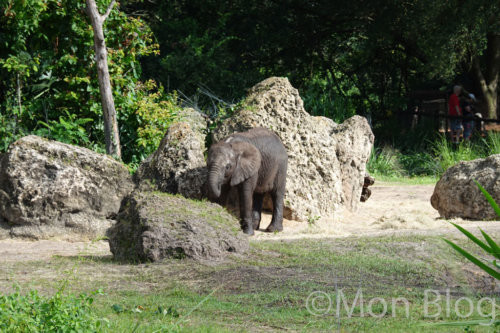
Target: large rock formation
456, 194
327, 161
52, 189
178, 165
152, 226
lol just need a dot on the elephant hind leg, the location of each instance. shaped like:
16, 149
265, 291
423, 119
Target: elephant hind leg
277, 220
258, 198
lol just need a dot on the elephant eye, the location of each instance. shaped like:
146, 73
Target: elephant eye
228, 166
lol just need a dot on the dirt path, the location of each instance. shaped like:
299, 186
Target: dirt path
392, 209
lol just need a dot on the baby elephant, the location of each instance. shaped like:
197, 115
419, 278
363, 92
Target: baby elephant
255, 161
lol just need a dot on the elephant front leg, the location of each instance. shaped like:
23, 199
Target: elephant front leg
246, 193
277, 220
258, 198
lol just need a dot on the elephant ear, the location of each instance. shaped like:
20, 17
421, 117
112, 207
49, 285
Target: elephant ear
247, 162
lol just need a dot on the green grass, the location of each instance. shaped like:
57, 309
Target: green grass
402, 180
264, 290
392, 165
31, 312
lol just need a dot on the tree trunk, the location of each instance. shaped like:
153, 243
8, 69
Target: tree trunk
488, 81
101, 56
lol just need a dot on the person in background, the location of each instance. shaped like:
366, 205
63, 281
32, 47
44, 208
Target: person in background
455, 111
468, 110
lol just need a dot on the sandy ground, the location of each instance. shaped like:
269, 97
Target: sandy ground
392, 209
399, 209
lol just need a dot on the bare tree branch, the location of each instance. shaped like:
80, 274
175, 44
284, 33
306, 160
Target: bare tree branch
110, 7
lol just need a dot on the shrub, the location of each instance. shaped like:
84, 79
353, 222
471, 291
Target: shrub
442, 154
419, 164
448, 155
385, 161
492, 143
59, 313
154, 115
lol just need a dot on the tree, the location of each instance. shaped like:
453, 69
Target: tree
111, 133
488, 77
370, 53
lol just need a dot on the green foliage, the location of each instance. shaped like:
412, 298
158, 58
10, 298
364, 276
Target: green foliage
330, 98
385, 161
59, 313
492, 267
47, 56
434, 161
68, 129
343, 56
492, 143
450, 155
490, 247
155, 112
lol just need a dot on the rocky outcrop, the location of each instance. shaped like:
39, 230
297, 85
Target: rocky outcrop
326, 160
178, 165
152, 226
51, 189
456, 194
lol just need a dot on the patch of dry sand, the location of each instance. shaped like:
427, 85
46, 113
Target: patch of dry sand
390, 209
12, 250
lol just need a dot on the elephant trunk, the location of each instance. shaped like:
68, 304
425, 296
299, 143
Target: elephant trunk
214, 184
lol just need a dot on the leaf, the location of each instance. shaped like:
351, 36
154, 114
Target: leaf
473, 238
474, 260
117, 308
494, 247
489, 198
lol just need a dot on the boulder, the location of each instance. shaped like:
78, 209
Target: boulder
456, 194
51, 189
153, 225
326, 160
178, 165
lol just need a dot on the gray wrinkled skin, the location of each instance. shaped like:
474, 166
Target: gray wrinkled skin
254, 162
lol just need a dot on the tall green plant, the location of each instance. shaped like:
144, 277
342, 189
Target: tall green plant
492, 143
491, 247
492, 267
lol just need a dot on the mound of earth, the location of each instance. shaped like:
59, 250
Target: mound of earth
153, 225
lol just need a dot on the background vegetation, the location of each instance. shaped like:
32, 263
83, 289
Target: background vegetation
346, 58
